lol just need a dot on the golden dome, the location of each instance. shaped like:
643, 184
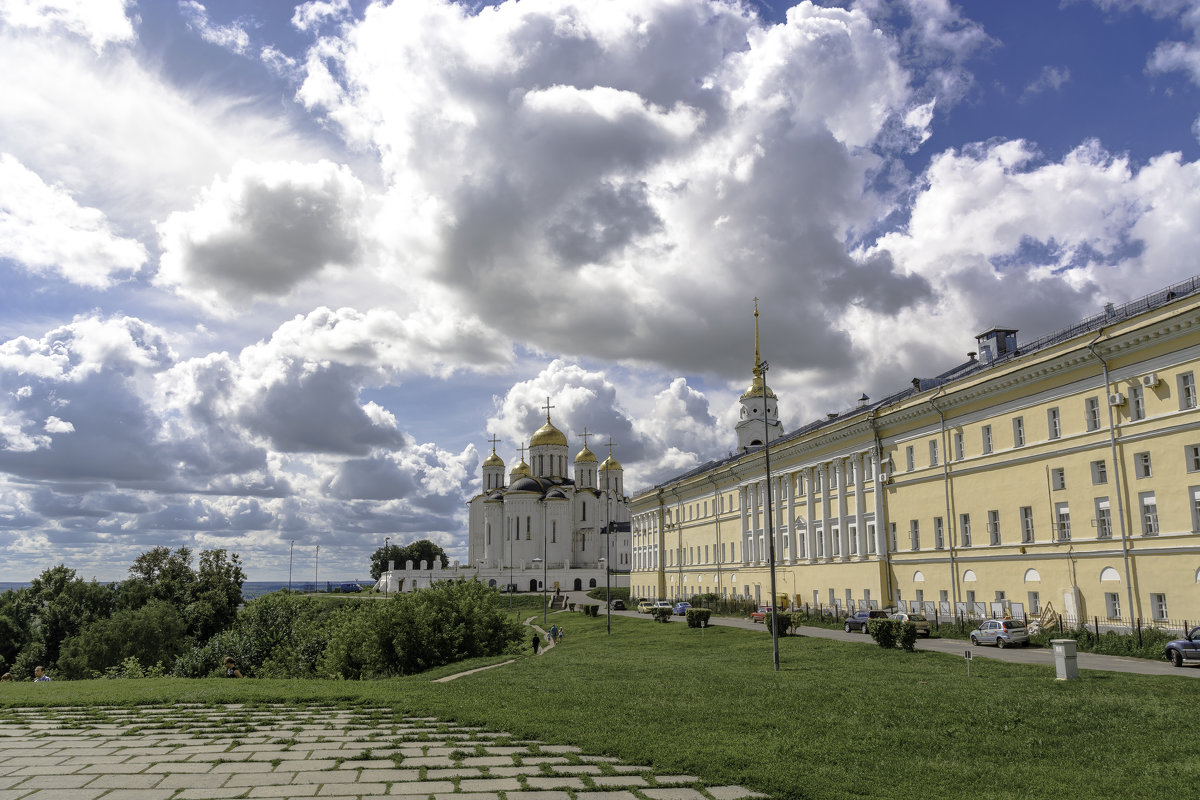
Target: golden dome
493, 460
756, 388
520, 469
585, 456
548, 435
610, 463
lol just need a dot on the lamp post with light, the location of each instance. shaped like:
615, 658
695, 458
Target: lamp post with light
387, 573
762, 370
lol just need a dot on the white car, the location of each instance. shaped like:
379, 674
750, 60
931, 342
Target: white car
920, 621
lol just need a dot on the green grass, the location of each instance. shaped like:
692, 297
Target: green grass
839, 720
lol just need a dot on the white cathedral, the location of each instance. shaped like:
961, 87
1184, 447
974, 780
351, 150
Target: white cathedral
545, 524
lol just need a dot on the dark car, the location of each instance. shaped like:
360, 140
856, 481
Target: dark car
859, 619
351, 587
617, 605
1185, 650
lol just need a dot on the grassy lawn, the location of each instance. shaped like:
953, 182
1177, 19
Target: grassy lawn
839, 719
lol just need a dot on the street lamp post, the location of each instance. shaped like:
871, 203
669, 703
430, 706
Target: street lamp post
545, 562
316, 568
542, 561
604, 563
762, 368
291, 552
387, 572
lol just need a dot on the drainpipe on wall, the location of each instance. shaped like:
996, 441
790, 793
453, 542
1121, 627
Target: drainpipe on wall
718, 555
1134, 610
946, 486
662, 547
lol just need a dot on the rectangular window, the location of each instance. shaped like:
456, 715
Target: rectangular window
1194, 496
939, 534
554, 530
1062, 517
987, 438
1092, 413
1112, 605
1103, 519
933, 453
1058, 479
1099, 472
1192, 453
1149, 508
892, 543
1137, 402
959, 447
909, 458
1053, 423
1187, 391
964, 522
1158, 606
1035, 602
1141, 465
1018, 431
914, 534
1026, 524
994, 527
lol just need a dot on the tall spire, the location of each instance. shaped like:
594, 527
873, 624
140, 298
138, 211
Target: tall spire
756, 386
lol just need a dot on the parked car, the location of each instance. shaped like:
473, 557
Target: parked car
859, 619
760, 615
644, 606
662, 604
1001, 632
920, 621
1184, 650
681, 608
351, 587
617, 605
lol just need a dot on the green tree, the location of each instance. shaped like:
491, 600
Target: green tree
151, 634
216, 593
58, 604
418, 551
162, 574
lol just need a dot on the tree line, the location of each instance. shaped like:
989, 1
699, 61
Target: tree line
168, 618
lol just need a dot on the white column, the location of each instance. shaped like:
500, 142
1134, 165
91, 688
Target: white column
791, 517
826, 521
881, 533
843, 521
743, 497
860, 502
810, 511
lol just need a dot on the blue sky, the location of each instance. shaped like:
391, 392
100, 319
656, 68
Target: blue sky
274, 272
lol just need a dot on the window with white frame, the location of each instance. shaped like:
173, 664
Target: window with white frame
1026, 524
1192, 457
1112, 605
1141, 465
892, 537
939, 534
1103, 519
1137, 402
1062, 521
1149, 508
914, 534
1158, 606
1187, 391
994, 527
1058, 479
964, 524
987, 438
909, 458
1035, 602
1194, 497
1091, 413
933, 452
1099, 472
959, 446
1053, 423
1018, 431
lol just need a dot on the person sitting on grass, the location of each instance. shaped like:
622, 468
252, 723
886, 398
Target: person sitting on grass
39, 675
231, 670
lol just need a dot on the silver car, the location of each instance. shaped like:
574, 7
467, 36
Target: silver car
919, 621
1001, 632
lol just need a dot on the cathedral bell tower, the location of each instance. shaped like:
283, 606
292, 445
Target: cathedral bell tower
758, 403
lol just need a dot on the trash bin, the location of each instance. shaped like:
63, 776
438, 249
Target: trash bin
1066, 659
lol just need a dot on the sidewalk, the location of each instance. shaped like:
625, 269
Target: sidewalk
283, 751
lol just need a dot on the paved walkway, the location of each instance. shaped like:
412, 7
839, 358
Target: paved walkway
283, 751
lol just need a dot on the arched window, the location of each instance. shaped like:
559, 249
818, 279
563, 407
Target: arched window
969, 576
1032, 576
918, 577
1109, 574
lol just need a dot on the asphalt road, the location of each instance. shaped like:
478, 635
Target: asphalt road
1017, 655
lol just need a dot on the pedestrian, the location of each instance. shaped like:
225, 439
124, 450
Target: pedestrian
231, 670
558, 636
39, 675
6, 677
553, 632
537, 642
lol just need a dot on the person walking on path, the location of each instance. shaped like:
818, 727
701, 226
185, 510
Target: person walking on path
537, 642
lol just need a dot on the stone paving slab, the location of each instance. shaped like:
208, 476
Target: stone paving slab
196, 752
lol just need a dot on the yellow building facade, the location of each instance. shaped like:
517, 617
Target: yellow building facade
1056, 476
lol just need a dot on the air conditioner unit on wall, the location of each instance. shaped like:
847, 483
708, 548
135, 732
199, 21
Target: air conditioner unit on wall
1116, 399
1150, 380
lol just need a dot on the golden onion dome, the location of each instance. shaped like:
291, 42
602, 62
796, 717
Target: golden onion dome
493, 460
585, 456
521, 469
610, 463
756, 388
548, 435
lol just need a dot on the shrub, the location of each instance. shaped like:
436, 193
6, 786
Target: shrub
698, 617
781, 621
907, 635
662, 614
884, 631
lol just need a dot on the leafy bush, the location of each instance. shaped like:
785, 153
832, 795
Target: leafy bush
662, 614
906, 635
153, 633
1109, 642
781, 621
698, 617
885, 632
